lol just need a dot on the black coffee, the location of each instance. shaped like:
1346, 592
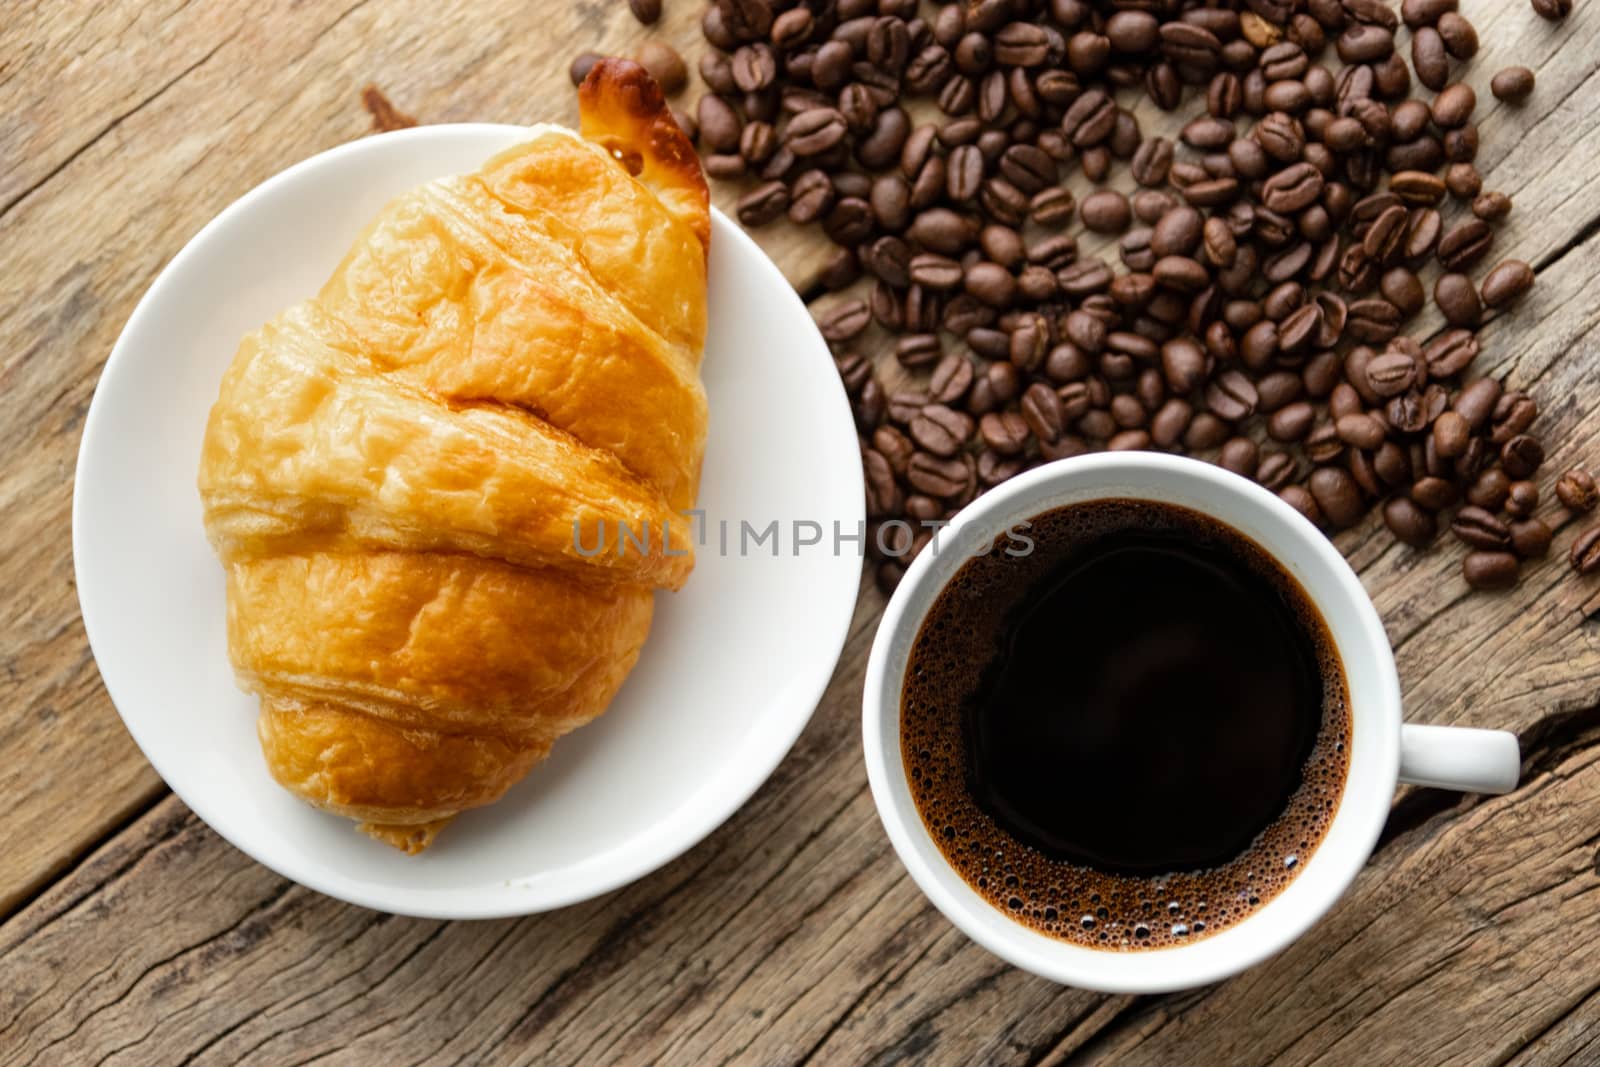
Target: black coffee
1130, 736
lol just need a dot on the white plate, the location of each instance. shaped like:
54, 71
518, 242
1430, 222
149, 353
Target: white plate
735, 663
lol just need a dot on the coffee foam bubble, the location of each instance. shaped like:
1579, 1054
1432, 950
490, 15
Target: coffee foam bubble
1064, 900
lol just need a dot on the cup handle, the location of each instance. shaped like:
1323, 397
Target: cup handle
1460, 758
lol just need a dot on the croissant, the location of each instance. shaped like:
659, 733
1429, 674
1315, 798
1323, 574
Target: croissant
407, 477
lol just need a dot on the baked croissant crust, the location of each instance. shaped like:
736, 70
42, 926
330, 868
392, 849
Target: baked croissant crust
407, 477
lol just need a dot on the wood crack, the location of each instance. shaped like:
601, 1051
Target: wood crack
5, 208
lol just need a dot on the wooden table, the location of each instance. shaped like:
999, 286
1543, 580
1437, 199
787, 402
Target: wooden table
129, 932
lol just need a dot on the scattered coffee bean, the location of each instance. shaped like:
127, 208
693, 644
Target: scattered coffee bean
1106, 211
646, 11
1552, 10
1272, 263
665, 65
1577, 491
1458, 300
1513, 85
1506, 283
1522, 499
582, 64
1530, 538
1410, 524
1489, 570
1585, 552
1521, 456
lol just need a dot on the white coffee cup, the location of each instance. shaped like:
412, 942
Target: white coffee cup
1383, 750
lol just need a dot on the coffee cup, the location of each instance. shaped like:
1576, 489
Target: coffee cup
1382, 750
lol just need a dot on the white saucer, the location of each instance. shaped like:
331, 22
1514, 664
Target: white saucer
735, 663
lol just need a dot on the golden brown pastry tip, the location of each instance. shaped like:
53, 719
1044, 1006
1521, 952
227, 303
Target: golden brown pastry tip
620, 108
406, 477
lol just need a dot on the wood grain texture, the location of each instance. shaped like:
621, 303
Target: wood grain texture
792, 934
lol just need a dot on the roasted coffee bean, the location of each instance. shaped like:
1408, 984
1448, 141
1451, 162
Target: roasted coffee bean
1522, 499
581, 65
1429, 58
1385, 238
1577, 491
1417, 188
1422, 233
726, 166
1322, 444
1490, 570
1417, 13
869, 406
1206, 431
1231, 396
888, 258
1293, 189
1460, 38
1004, 433
1105, 211
763, 204
663, 62
1337, 496
849, 221
1152, 162
1454, 105
1513, 413
1450, 353
944, 478
1004, 381
1434, 493
845, 321
1292, 422
990, 284
951, 379
894, 446
918, 350
1585, 552
1043, 411
1477, 401
813, 131
1410, 524
941, 430
1128, 441
1480, 528
1530, 538
1458, 300
1552, 10
1403, 289
1298, 498
1489, 490
1027, 346
883, 493
758, 141
1521, 456
1450, 434
1464, 244
1463, 181
1127, 412
1090, 119
1360, 430
943, 231
1372, 320
935, 272
1506, 283
720, 125
1492, 206
1241, 456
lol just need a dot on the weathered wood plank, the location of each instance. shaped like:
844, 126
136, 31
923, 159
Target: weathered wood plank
792, 933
